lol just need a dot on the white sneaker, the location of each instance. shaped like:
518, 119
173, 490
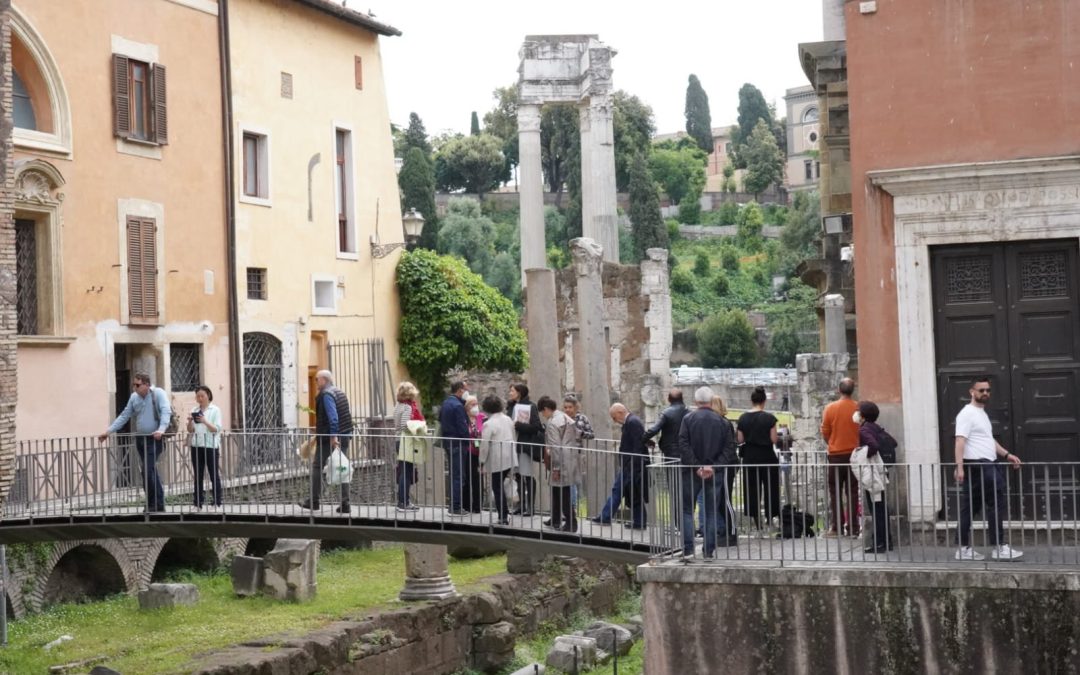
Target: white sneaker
968, 553
1006, 552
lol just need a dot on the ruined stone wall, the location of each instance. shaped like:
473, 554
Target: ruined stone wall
8, 325
464, 633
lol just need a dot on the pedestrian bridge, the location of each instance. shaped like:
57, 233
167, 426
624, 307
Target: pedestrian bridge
79, 489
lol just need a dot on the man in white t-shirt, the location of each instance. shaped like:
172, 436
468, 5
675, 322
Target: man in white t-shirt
983, 486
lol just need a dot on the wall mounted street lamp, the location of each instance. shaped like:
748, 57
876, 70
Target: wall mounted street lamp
413, 224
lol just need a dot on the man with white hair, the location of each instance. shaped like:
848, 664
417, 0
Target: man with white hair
334, 429
707, 450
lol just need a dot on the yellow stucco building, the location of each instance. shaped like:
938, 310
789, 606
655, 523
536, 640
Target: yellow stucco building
315, 185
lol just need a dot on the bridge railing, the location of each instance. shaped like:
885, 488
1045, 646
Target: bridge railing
264, 473
805, 510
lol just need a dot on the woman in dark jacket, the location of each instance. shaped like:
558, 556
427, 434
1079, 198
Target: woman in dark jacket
761, 466
529, 430
871, 434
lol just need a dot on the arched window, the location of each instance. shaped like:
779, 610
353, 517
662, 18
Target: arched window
810, 115
24, 107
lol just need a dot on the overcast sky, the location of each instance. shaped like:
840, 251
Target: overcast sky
453, 54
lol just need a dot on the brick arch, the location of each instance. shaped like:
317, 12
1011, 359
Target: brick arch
15, 602
103, 551
227, 548
200, 555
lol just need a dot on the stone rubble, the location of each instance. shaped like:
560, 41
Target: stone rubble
289, 570
160, 596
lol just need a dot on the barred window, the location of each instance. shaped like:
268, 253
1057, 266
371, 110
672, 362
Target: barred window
185, 370
256, 283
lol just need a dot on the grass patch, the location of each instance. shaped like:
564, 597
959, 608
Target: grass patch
138, 642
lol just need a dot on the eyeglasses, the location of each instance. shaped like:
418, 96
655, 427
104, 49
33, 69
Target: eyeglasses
983, 391
139, 384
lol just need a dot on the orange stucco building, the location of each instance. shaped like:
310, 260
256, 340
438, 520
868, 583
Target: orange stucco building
120, 207
965, 191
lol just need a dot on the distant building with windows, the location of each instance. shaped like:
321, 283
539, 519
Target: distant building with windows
803, 131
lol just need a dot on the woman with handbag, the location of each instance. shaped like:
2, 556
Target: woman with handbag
411, 441
497, 456
869, 468
529, 430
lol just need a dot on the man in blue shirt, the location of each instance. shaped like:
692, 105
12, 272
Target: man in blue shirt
149, 410
454, 427
334, 426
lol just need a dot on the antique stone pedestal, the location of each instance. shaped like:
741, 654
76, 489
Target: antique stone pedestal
427, 573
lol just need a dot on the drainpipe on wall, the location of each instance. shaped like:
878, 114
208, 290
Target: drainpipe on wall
235, 373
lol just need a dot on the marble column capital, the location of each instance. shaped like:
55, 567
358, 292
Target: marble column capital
528, 118
588, 256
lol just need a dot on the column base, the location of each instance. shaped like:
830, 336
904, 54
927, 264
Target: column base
432, 588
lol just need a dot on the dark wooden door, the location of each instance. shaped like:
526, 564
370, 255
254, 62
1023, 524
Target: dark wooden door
1010, 311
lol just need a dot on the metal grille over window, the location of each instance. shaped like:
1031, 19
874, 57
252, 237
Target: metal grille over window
26, 277
968, 279
256, 283
1044, 275
262, 381
185, 366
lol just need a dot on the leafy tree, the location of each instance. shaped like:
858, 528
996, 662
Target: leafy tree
726, 340
690, 210
729, 258
730, 184
698, 119
729, 213
466, 233
784, 345
557, 258
672, 232
501, 121
750, 222
802, 233
682, 281
560, 143
633, 126
720, 283
416, 137
451, 319
679, 172
702, 265
752, 108
417, 183
555, 229
505, 276
472, 163
647, 225
474, 125
764, 161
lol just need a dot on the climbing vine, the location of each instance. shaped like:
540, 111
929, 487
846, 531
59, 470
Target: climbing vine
451, 319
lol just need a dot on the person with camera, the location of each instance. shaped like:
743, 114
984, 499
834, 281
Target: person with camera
204, 425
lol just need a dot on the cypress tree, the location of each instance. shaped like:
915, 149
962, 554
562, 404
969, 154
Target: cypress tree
417, 183
698, 119
647, 225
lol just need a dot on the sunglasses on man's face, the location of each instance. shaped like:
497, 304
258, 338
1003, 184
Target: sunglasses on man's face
985, 390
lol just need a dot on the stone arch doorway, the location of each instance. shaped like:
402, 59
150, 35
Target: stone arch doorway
86, 572
259, 547
197, 555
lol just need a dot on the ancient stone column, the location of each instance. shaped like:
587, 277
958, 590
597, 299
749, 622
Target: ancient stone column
427, 573
593, 380
599, 209
531, 190
835, 325
543, 332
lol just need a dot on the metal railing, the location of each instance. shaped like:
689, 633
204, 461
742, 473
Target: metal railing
798, 511
807, 510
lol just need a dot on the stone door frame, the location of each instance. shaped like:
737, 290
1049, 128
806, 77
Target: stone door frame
985, 202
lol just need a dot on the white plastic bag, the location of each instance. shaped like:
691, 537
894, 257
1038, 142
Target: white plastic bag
510, 491
338, 469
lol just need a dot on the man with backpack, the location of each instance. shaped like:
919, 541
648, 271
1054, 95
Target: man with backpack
148, 407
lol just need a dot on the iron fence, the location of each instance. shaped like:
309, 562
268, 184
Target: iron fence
361, 370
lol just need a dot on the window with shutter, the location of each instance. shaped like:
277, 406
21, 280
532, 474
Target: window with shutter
358, 70
142, 270
140, 110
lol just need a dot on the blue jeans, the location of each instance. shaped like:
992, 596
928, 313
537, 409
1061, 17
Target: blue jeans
456, 452
716, 514
150, 449
614, 500
406, 476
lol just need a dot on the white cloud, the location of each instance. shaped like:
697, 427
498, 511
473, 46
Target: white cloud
453, 54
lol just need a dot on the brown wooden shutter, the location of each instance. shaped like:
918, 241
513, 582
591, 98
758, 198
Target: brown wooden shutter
142, 270
121, 97
161, 119
359, 66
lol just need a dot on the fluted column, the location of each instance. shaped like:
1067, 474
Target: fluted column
599, 208
530, 190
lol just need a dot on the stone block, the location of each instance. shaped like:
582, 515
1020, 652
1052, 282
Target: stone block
247, 575
168, 595
610, 637
523, 562
289, 570
572, 654
486, 608
493, 646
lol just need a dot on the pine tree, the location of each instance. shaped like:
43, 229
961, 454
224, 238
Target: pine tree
698, 119
417, 183
474, 127
647, 225
416, 137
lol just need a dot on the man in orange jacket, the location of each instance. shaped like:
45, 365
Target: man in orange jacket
841, 432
